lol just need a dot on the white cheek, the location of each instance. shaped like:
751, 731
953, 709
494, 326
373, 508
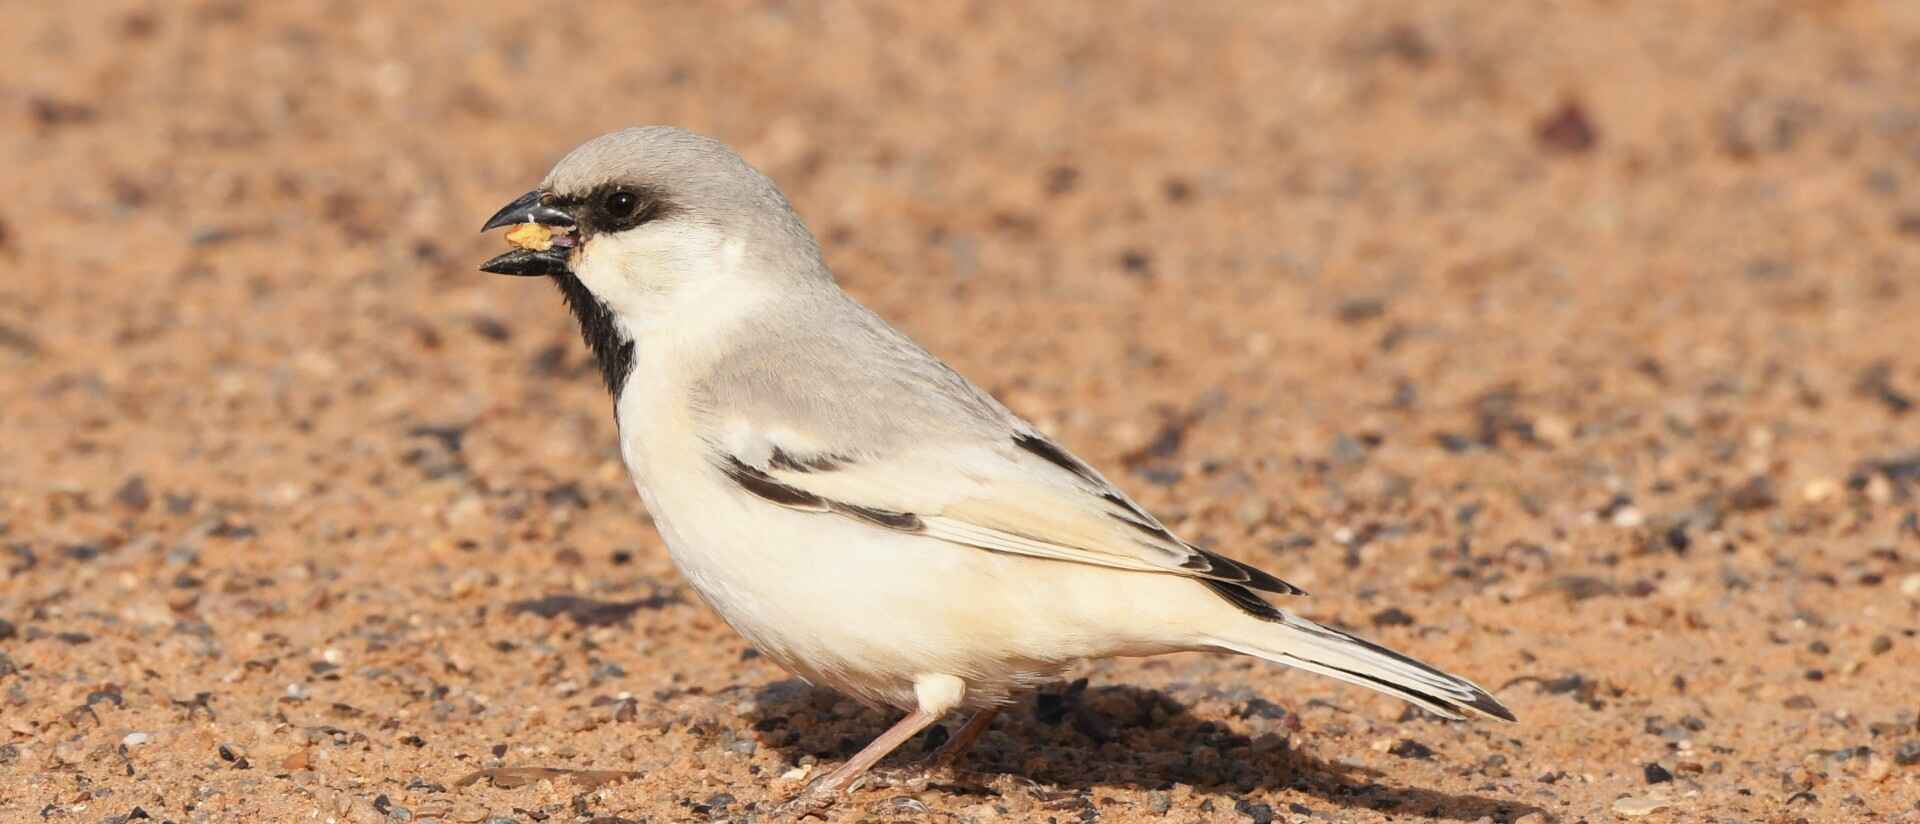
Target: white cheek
651, 260
660, 271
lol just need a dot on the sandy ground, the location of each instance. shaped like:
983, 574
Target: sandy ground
1571, 346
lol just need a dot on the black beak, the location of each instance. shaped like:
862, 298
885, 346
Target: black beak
532, 207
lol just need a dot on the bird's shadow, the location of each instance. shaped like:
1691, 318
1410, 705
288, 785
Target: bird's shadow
1070, 740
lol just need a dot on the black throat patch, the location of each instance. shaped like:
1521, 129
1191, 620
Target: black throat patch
611, 350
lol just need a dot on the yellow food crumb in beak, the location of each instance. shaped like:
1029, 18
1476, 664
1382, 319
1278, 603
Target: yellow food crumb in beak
532, 237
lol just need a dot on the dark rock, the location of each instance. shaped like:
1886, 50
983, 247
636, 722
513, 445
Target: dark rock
1908, 754
1360, 310
716, 803
50, 113
1583, 587
232, 531
1409, 748
1392, 617
1655, 773
566, 494
550, 361
134, 495
449, 437
1754, 495
1876, 383
491, 329
1062, 180
588, 612
1678, 540
18, 342
7, 630
1567, 130
1406, 43
1257, 813
1260, 708
109, 694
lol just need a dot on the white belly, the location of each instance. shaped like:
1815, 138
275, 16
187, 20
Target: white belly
867, 610
856, 607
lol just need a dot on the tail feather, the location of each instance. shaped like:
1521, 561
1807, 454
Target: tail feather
1297, 642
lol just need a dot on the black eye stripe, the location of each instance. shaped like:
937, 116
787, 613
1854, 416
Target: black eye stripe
619, 206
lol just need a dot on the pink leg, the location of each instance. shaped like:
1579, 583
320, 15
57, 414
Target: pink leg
962, 740
827, 788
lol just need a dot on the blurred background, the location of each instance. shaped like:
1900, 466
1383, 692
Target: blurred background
1570, 346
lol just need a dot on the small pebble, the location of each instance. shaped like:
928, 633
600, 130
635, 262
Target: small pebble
1409, 748
1656, 774
1634, 807
1820, 490
1908, 754
1628, 517
1392, 617
1878, 769
134, 739
1257, 813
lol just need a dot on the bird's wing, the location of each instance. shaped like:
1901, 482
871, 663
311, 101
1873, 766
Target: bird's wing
1020, 494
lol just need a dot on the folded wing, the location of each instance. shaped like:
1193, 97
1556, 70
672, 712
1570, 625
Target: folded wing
1021, 495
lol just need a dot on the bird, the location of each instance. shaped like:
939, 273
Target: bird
866, 517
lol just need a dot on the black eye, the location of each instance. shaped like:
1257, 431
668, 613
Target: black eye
620, 203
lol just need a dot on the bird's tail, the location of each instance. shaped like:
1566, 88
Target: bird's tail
1285, 638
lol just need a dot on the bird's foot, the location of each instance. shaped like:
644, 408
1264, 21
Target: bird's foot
912, 778
919, 777
816, 799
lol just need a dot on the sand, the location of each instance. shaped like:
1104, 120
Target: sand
1570, 346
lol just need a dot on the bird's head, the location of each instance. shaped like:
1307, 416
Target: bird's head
647, 224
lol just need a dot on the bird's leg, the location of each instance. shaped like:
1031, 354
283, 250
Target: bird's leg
827, 788
962, 740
